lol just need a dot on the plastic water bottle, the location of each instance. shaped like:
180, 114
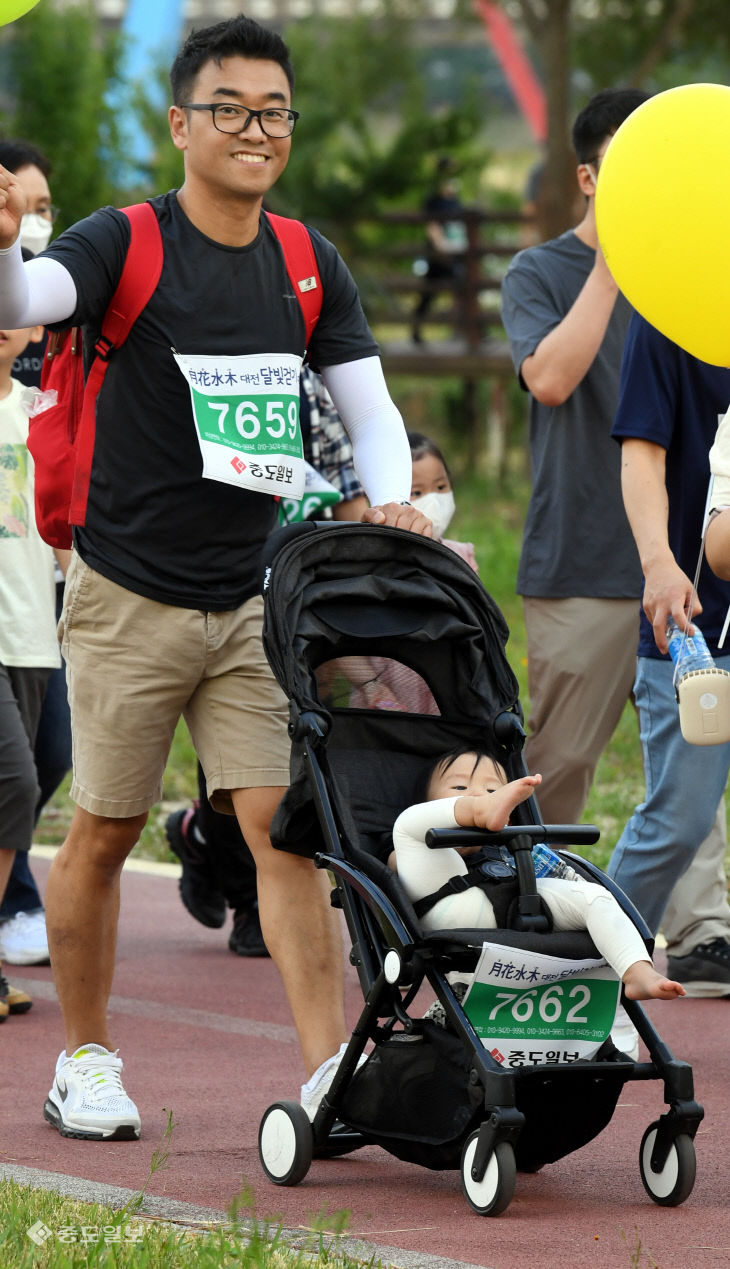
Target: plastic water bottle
688, 652
702, 689
548, 864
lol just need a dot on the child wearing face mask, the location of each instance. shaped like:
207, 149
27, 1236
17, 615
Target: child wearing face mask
379, 682
432, 492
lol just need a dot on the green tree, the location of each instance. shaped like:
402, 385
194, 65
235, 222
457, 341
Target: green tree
580, 46
58, 69
366, 140
164, 169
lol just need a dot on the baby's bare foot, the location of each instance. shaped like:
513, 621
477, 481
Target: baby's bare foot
642, 982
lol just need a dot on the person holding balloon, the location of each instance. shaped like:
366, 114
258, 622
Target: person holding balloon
566, 323
579, 574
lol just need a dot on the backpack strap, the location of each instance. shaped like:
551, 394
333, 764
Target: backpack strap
301, 266
140, 275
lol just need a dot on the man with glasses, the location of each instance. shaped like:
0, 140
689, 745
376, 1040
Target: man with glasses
162, 613
579, 571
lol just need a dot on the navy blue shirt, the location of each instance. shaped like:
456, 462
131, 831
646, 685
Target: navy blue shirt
670, 398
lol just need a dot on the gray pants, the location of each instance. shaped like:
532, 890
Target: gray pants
581, 669
21, 697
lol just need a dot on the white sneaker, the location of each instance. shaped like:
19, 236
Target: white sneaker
87, 1097
624, 1034
23, 939
319, 1083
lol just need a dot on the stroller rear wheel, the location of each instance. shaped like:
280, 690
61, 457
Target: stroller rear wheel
674, 1183
285, 1143
495, 1191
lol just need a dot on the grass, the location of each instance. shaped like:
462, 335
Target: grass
43, 1230
492, 519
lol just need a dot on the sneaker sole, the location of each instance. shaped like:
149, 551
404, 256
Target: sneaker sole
125, 1132
706, 989
22, 1007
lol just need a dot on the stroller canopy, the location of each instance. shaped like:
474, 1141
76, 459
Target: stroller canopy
332, 593
363, 589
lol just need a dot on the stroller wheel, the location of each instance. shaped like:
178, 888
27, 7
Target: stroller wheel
674, 1183
494, 1192
285, 1143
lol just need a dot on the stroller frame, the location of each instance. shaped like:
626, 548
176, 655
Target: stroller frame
393, 956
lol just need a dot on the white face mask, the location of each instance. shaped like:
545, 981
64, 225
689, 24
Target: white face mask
35, 232
439, 507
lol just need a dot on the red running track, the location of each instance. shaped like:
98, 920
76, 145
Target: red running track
207, 1035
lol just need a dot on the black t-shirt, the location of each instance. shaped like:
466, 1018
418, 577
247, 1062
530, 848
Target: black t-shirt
154, 524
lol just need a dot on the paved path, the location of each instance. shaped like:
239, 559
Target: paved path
206, 1035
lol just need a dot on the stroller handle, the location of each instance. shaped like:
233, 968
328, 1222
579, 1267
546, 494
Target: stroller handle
554, 834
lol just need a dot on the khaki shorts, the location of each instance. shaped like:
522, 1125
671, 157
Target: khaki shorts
134, 667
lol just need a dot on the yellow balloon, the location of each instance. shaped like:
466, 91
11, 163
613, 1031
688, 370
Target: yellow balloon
663, 216
12, 9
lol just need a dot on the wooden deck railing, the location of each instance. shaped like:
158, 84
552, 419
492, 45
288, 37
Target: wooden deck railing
462, 333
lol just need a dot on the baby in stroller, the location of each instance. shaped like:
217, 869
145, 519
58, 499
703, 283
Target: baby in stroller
468, 789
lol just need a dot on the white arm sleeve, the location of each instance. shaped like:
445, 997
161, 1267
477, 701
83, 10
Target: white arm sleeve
33, 294
423, 871
420, 869
380, 447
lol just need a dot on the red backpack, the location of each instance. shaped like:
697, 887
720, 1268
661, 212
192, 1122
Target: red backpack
61, 438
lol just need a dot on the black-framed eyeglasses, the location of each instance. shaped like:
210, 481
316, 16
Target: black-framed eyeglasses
227, 117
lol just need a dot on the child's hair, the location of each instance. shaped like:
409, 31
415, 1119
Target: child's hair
422, 445
447, 759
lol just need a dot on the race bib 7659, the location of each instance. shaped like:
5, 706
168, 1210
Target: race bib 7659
246, 414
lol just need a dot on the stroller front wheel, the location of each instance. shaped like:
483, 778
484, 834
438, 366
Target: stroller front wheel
491, 1195
675, 1182
285, 1143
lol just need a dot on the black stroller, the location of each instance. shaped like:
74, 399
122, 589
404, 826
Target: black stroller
431, 1091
